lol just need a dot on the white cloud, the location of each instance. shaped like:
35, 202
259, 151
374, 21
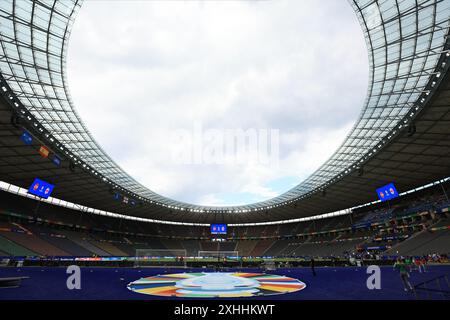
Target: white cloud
138, 70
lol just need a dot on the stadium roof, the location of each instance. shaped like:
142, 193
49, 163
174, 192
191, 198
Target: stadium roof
401, 136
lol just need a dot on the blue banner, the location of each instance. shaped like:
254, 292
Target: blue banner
56, 160
26, 138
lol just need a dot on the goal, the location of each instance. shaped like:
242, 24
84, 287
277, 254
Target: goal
160, 257
218, 254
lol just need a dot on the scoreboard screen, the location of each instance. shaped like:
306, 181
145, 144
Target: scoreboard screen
218, 229
387, 192
41, 188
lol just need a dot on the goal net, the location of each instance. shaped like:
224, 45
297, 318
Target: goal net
160, 257
218, 254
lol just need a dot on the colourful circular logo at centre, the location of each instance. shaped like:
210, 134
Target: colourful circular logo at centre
216, 285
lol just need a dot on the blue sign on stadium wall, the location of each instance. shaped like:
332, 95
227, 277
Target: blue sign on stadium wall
218, 229
41, 188
387, 192
56, 160
26, 138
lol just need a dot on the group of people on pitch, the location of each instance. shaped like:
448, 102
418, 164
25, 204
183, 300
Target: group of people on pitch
407, 265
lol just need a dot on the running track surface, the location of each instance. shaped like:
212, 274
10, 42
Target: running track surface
111, 283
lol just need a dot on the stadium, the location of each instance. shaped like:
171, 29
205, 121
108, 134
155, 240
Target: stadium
380, 202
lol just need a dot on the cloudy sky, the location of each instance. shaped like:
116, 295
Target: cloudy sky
140, 71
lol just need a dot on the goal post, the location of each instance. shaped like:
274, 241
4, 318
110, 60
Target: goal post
218, 254
160, 257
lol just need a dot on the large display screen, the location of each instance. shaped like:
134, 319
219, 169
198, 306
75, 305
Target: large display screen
41, 188
387, 192
218, 229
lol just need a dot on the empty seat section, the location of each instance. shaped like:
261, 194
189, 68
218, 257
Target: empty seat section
209, 246
33, 243
59, 240
244, 247
128, 248
275, 249
173, 246
68, 246
11, 248
192, 247
291, 247
81, 239
424, 243
153, 243
261, 247
108, 247
227, 246
151, 246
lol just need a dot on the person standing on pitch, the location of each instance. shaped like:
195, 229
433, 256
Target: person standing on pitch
313, 267
402, 267
423, 261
